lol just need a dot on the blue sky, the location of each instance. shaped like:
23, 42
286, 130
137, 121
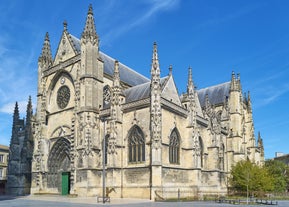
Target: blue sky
250, 37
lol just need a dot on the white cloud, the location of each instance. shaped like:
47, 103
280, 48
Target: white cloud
9, 107
134, 19
276, 94
18, 75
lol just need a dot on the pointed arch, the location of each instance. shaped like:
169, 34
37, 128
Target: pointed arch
57, 77
136, 145
58, 161
174, 147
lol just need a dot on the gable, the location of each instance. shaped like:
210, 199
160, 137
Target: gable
65, 49
170, 91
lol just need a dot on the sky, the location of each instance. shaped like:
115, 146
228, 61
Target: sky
215, 38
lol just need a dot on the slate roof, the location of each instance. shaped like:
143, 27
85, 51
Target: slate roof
216, 94
141, 91
127, 75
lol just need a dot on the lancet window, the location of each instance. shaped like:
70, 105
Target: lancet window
174, 147
136, 145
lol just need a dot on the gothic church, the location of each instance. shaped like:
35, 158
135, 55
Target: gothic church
93, 111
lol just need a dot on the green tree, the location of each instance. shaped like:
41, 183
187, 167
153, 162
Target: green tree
246, 176
280, 173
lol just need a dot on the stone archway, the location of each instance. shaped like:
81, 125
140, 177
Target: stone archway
58, 163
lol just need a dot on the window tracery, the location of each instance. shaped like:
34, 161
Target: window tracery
136, 145
174, 147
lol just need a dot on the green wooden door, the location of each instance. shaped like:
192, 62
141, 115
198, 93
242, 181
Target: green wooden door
65, 183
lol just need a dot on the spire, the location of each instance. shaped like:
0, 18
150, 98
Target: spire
29, 111
116, 79
260, 144
259, 140
191, 98
16, 114
89, 32
235, 82
46, 57
155, 107
116, 113
249, 102
15, 126
190, 86
155, 70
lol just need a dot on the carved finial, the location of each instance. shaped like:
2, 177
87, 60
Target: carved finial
64, 25
90, 10
170, 70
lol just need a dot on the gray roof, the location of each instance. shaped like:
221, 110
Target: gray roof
141, 91
127, 74
216, 94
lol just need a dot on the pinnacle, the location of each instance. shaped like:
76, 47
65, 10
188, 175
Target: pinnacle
89, 29
90, 10
155, 62
46, 56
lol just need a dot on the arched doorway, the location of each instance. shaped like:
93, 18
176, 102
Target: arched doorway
59, 166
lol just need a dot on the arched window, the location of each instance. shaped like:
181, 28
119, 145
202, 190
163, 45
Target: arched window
136, 145
174, 147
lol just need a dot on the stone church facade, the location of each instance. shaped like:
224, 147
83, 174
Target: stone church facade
156, 141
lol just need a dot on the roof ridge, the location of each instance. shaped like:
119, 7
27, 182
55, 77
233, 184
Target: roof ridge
213, 86
127, 67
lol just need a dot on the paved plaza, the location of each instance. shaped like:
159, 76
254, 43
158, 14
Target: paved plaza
62, 201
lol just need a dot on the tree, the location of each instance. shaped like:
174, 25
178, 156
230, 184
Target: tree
248, 177
280, 173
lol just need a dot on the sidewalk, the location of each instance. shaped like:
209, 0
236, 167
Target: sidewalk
84, 200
